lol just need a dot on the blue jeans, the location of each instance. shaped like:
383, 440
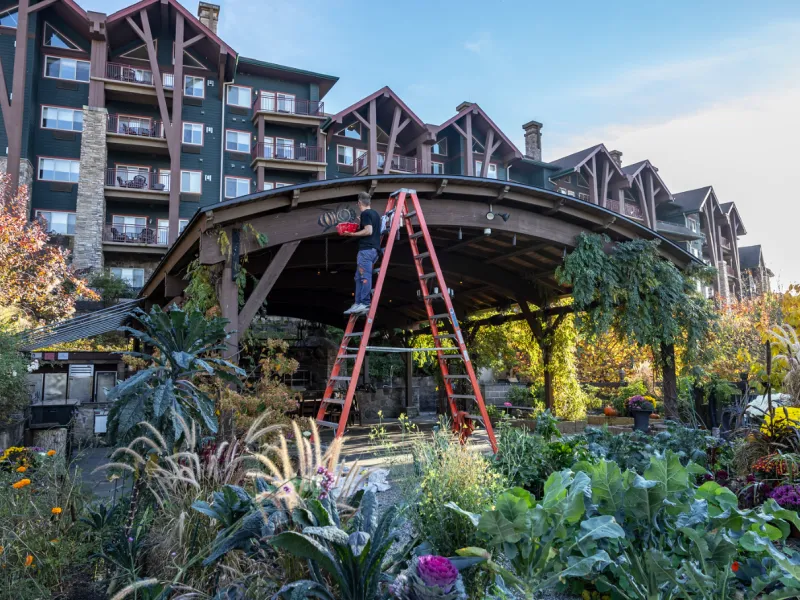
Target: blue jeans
365, 262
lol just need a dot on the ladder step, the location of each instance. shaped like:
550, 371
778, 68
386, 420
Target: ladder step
463, 396
434, 297
452, 356
475, 417
411, 213
416, 235
330, 424
359, 334
441, 316
427, 276
456, 376
338, 401
422, 255
445, 336
340, 378
347, 356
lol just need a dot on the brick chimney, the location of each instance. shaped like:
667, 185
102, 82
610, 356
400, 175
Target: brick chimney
208, 14
533, 139
616, 156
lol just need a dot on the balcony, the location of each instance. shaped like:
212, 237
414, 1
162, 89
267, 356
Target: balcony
400, 164
725, 243
288, 111
131, 84
631, 210
136, 133
289, 157
135, 238
137, 184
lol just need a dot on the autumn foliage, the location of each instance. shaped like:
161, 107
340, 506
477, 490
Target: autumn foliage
35, 276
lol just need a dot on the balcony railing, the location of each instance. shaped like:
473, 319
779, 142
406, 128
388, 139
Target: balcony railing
136, 126
136, 234
725, 242
273, 150
129, 74
403, 164
269, 103
631, 210
123, 177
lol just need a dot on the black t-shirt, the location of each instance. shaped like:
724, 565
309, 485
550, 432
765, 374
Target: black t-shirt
370, 217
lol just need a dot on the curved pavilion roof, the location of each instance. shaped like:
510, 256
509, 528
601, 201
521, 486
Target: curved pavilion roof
530, 233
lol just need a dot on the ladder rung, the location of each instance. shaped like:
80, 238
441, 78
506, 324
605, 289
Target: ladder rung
456, 376
463, 396
340, 378
416, 235
330, 424
427, 276
359, 334
449, 356
434, 297
411, 213
338, 401
445, 336
441, 316
347, 356
422, 255
475, 417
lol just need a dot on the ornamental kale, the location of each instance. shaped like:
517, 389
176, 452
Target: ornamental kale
429, 578
788, 496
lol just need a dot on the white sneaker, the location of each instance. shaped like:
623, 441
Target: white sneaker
362, 309
352, 309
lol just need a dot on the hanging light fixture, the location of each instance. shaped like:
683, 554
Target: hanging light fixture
514, 240
459, 233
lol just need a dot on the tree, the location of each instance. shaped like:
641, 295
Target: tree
34, 275
628, 288
165, 393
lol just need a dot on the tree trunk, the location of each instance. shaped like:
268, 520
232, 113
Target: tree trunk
547, 355
670, 381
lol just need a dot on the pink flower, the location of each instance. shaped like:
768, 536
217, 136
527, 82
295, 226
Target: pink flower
508, 404
438, 571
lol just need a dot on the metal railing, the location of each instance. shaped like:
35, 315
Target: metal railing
631, 210
129, 74
288, 152
725, 242
403, 164
136, 234
135, 179
136, 126
267, 102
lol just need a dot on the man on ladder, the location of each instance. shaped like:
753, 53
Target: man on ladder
368, 252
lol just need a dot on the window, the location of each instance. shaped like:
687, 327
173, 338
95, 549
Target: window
188, 59
191, 182
268, 185
284, 148
8, 18
582, 182
132, 176
440, 147
278, 184
344, 155
58, 222
236, 186
239, 96
277, 102
361, 158
66, 68
437, 168
127, 125
351, 131
477, 146
182, 223
237, 141
194, 86
169, 80
133, 277
491, 172
140, 52
66, 119
193, 134
55, 39
128, 227
59, 169
163, 231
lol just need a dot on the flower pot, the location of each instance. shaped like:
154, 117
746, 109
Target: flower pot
641, 419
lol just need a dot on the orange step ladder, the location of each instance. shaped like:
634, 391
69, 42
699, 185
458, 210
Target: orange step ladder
403, 208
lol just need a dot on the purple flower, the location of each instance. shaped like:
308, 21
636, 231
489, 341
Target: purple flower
438, 571
708, 477
751, 478
788, 496
130, 539
722, 475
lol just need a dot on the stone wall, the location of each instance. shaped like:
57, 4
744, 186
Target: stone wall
91, 204
12, 434
51, 439
25, 174
148, 262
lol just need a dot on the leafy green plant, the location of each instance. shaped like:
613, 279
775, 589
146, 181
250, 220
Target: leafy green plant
352, 558
634, 388
165, 393
14, 394
110, 287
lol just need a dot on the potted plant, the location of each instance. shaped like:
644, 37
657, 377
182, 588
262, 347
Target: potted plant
640, 409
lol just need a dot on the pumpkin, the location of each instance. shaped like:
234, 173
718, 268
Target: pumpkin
610, 411
654, 416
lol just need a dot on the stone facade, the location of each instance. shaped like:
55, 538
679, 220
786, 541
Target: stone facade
148, 262
533, 140
25, 174
722, 280
90, 209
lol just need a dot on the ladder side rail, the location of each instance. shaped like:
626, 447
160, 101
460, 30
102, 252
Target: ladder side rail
362, 347
456, 328
337, 367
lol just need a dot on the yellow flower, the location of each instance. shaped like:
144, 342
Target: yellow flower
56, 510
51, 453
2, 549
21, 469
54, 541
21, 483
28, 560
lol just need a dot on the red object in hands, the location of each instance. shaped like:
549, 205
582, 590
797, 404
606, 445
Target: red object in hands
347, 228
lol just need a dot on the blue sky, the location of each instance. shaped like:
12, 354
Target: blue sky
708, 91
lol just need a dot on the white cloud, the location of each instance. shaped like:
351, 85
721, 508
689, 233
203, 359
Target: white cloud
745, 147
480, 44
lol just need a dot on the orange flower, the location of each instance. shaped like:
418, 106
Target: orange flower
735, 566
56, 510
2, 549
21, 469
21, 483
51, 453
29, 560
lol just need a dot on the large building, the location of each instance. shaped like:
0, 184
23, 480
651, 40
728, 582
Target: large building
123, 125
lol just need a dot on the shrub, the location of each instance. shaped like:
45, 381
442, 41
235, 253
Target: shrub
14, 394
634, 388
450, 472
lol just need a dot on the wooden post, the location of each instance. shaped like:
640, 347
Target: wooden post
409, 358
99, 54
177, 133
373, 137
387, 163
487, 155
264, 285
651, 202
260, 168
669, 381
468, 142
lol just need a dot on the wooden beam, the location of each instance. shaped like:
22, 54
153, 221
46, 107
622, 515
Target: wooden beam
606, 177
177, 127
41, 5
441, 188
194, 40
174, 286
373, 137
265, 284
487, 157
403, 125
468, 142
651, 201
17, 104
556, 207
228, 294
387, 163
361, 119
518, 252
593, 188
5, 104
460, 131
